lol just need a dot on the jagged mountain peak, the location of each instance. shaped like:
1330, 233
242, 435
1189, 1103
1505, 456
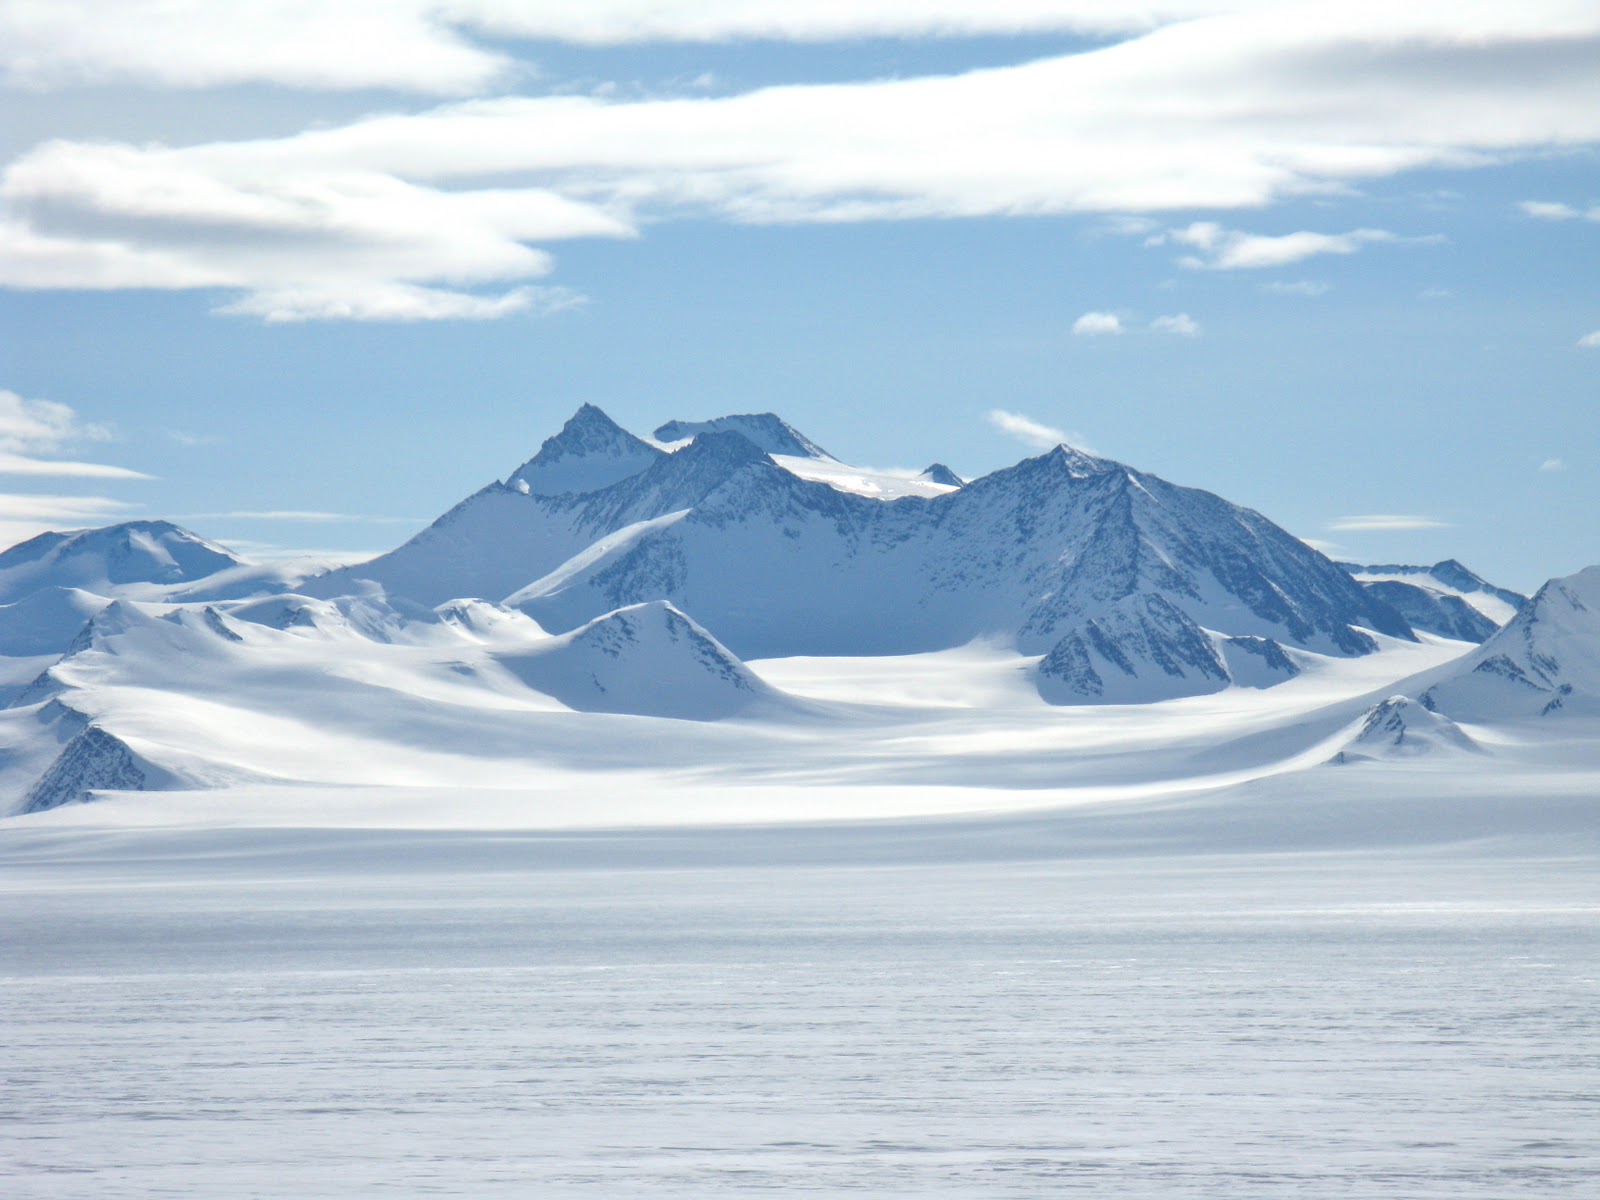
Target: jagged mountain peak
767, 430
591, 452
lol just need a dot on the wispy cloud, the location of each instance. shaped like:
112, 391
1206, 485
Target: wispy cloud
1590, 341
397, 303
1299, 287
1552, 210
1032, 433
1385, 523
1097, 324
1552, 465
25, 516
191, 440
446, 213
1223, 249
1181, 324
31, 428
1435, 293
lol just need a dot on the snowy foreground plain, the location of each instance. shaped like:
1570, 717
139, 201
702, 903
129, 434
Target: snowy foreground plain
1377, 980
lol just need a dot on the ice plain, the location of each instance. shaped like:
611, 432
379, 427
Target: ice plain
1186, 1001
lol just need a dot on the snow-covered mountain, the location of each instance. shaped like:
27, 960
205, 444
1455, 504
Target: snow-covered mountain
1545, 661
768, 431
649, 660
1446, 598
755, 615
110, 561
591, 452
1143, 649
1399, 727
941, 474
776, 565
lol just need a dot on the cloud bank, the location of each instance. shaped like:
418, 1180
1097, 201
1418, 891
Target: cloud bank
442, 214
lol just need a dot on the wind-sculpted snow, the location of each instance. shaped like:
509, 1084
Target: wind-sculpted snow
768, 431
777, 565
1545, 662
591, 452
1399, 727
648, 660
110, 561
46, 621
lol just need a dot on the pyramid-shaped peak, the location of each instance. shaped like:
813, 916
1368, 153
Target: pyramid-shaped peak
767, 430
591, 452
941, 474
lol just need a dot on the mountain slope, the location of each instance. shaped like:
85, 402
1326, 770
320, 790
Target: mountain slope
767, 431
110, 561
1546, 661
1399, 727
777, 565
648, 660
499, 539
1433, 611
1444, 579
591, 452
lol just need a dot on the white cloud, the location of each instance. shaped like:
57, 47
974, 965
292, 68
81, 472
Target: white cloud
427, 46
1299, 287
1385, 523
26, 516
30, 428
1546, 210
190, 440
395, 302
1435, 293
1030, 432
1179, 323
1234, 250
1226, 111
1096, 324
1590, 341
1552, 465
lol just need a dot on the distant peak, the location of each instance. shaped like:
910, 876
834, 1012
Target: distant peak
589, 453
939, 473
727, 446
769, 431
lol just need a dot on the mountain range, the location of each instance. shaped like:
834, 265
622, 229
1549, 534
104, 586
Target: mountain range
701, 577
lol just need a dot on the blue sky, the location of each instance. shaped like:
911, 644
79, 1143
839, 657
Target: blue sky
1333, 261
